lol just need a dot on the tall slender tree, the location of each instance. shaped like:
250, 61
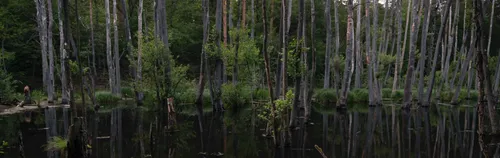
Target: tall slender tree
423, 50
41, 12
109, 54
411, 58
359, 63
485, 89
138, 75
50, 50
399, 57
349, 49
62, 51
326, 80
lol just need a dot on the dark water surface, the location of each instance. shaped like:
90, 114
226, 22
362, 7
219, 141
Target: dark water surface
359, 132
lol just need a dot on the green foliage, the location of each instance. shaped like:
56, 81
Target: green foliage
282, 108
56, 144
105, 98
127, 92
38, 96
261, 94
235, 97
325, 96
7, 90
358, 96
398, 95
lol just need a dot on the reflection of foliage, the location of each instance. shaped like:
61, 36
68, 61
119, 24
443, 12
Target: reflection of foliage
56, 144
182, 137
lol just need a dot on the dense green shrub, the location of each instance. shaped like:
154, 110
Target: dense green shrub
358, 96
261, 94
325, 96
397, 95
235, 96
106, 98
56, 144
127, 92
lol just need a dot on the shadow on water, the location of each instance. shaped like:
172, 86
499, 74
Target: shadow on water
361, 131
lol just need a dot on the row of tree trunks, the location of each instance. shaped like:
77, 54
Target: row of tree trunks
407, 100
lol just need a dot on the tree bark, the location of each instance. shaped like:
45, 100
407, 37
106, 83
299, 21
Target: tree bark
349, 49
369, 56
252, 32
109, 54
411, 58
337, 46
62, 51
312, 74
485, 91
42, 32
50, 48
138, 75
492, 15
286, 26
93, 71
359, 63
423, 51
116, 53
328, 19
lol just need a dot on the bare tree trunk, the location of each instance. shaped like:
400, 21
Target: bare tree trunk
109, 54
492, 15
312, 74
42, 31
405, 36
399, 57
423, 51
64, 82
377, 96
328, 19
93, 71
286, 26
218, 62
268, 74
337, 46
369, 57
359, 63
252, 32
203, 68
117, 87
411, 58
138, 75
298, 51
50, 48
483, 71
436, 51
349, 49
128, 35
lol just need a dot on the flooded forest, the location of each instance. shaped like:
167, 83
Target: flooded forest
249, 78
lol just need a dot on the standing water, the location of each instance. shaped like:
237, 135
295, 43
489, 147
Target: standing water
360, 131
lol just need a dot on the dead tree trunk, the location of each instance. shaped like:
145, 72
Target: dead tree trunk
50, 49
138, 75
411, 58
116, 53
348, 52
328, 19
337, 46
359, 63
485, 91
62, 51
423, 51
109, 54
268, 73
42, 32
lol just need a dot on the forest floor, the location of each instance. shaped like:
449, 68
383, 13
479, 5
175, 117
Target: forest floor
8, 110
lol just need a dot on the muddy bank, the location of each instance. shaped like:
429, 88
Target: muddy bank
8, 110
